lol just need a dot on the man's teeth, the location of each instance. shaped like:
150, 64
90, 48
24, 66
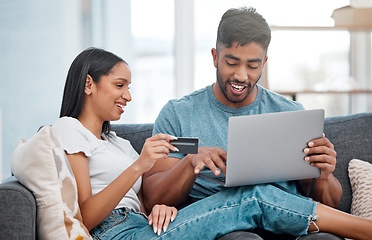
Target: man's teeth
237, 87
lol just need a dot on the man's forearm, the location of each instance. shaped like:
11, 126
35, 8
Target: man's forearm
328, 191
170, 184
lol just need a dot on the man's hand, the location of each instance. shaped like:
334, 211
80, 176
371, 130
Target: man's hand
160, 217
325, 189
321, 154
212, 157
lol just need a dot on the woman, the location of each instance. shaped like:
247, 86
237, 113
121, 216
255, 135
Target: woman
108, 173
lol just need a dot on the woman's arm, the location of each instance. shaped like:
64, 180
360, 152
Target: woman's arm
95, 209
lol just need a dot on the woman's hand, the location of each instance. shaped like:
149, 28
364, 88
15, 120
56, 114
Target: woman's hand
160, 217
155, 148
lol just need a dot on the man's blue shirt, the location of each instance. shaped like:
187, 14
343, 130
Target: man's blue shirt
201, 115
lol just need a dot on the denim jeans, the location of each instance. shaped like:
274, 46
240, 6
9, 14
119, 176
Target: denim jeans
240, 208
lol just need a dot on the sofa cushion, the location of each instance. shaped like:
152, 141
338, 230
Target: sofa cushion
360, 173
42, 166
352, 137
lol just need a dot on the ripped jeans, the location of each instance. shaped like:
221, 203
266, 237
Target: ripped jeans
240, 208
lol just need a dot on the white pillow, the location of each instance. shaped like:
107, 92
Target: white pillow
360, 174
42, 166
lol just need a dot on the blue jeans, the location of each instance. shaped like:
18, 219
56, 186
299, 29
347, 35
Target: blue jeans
241, 208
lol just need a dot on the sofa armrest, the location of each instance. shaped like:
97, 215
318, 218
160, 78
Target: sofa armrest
17, 211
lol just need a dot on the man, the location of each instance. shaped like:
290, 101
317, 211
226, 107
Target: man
239, 57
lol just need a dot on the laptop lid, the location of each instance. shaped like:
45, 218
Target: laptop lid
269, 147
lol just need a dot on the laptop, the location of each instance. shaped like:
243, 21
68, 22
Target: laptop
269, 147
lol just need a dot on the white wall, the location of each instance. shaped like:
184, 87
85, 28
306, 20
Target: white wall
38, 43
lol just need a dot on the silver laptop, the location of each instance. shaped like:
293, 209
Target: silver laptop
269, 148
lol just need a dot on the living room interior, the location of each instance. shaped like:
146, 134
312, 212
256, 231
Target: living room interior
314, 60
320, 55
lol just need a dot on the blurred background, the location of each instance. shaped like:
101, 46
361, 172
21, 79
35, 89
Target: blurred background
167, 44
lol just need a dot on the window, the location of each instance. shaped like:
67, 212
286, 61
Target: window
305, 53
278, 13
39, 40
153, 59
308, 59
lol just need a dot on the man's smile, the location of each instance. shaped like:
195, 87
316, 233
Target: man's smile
238, 88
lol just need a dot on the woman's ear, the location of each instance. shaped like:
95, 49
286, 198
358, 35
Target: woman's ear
88, 85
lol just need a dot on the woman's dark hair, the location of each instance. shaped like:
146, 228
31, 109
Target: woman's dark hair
94, 62
244, 26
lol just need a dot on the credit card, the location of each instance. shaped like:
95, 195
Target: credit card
185, 145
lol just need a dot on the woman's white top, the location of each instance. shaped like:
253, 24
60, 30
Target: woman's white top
108, 158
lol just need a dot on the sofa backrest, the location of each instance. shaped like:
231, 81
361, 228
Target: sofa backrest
136, 134
351, 136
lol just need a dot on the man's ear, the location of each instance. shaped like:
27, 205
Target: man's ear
265, 61
88, 85
215, 57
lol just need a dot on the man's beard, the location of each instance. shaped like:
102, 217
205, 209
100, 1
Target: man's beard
223, 87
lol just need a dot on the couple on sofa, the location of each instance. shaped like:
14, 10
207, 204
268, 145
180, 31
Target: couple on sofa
125, 195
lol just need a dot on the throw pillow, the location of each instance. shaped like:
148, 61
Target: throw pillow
42, 166
360, 174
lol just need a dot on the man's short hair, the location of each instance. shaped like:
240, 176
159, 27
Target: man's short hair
243, 25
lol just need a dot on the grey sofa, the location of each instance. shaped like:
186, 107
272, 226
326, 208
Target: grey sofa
351, 136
